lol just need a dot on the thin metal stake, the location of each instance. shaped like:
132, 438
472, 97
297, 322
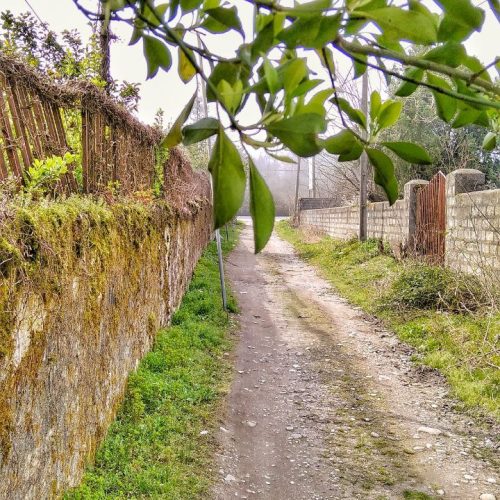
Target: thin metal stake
217, 232
221, 269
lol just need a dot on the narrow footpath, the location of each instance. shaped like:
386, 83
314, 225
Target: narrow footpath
326, 404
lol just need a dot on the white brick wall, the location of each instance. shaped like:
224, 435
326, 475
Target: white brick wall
472, 230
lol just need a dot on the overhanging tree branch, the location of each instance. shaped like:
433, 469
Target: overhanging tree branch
436, 88
369, 50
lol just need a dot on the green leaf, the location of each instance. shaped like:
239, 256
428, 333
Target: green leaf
190, 5
154, 15
311, 32
316, 104
174, 7
199, 131
389, 114
263, 41
136, 35
365, 4
229, 180
283, 158
305, 87
356, 115
272, 77
227, 17
213, 26
157, 55
326, 57
407, 88
299, 133
446, 105
465, 116
359, 67
412, 153
375, 103
406, 25
229, 71
261, 208
489, 141
293, 73
475, 65
452, 54
174, 136
483, 120
231, 94
460, 20
345, 144
384, 173
185, 69
309, 8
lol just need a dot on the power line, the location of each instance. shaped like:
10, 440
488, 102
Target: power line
34, 11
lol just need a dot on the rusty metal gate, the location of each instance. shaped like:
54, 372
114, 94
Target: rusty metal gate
431, 220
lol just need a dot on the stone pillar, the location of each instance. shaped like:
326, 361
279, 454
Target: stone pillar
463, 180
410, 197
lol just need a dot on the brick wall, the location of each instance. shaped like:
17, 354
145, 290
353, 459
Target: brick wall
472, 230
472, 224
315, 203
394, 224
338, 222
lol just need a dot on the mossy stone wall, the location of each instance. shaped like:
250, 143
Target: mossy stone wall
84, 286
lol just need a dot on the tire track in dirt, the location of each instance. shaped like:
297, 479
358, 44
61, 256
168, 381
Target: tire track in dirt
325, 404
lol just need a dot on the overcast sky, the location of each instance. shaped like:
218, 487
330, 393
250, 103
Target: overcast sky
168, 91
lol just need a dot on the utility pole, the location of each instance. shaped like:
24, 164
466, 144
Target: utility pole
297, 183
312, 177
363, 170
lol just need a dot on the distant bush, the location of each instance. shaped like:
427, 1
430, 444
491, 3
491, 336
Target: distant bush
421, 286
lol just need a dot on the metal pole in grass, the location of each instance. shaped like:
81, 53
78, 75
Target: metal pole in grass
217, 232
221, 269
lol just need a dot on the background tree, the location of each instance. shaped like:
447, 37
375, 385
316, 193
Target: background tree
63, 57
450, 148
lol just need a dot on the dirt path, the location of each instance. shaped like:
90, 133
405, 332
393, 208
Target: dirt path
327, 405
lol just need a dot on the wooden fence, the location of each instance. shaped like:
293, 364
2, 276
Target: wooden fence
431, 220
114, 147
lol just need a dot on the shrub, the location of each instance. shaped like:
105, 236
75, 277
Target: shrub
421, 286
44, 176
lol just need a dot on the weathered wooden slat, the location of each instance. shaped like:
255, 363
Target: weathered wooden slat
85, 150
9, 138
19, 125
42, 127
4, 172
26, 112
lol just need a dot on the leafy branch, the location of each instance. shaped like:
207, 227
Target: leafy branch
272, 68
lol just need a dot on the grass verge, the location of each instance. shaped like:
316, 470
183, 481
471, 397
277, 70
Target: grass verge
463, 346
156, 447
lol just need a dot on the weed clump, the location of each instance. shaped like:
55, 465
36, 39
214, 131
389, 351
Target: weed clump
421, 286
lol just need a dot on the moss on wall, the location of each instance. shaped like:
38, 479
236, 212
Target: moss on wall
83, 288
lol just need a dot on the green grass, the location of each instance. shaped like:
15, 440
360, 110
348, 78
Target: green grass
416, 495
464, 347
154, 448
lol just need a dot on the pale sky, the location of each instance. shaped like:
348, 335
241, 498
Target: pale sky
167, 91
